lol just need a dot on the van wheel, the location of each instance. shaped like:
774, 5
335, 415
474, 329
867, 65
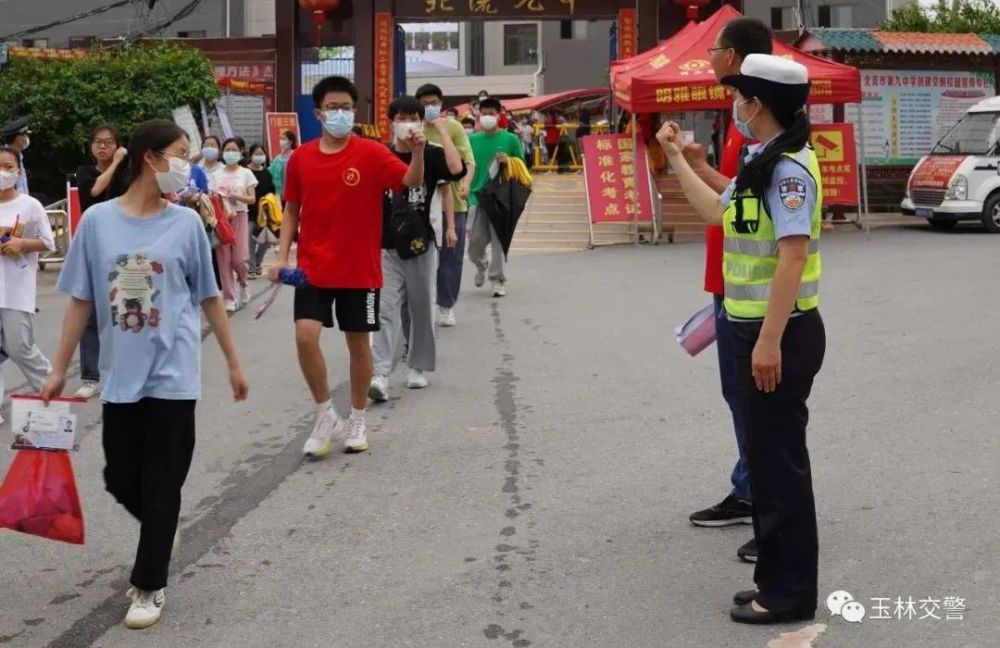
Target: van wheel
991, 214
941, 223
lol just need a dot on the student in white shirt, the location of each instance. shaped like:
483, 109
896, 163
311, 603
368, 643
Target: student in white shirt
237, 187
25, 231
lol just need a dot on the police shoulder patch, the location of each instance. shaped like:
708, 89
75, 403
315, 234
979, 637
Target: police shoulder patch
792, 192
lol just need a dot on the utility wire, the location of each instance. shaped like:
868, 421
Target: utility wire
65, 21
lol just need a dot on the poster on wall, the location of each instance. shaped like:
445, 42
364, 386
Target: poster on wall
907, 112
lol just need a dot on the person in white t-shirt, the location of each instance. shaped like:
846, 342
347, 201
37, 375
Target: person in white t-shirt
24, 232
237, 187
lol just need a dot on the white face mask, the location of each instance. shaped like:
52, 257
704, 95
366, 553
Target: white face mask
7, 180
285, 144
176, 177
27, 143
259, 159
488, 122
402, 130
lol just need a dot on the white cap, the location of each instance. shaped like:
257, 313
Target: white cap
771, 78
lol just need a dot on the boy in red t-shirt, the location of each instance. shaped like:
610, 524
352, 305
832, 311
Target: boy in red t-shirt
333, 195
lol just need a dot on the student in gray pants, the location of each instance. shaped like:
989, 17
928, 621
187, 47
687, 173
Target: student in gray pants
408, 231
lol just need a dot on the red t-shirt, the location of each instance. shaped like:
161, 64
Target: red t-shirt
340, 210
729, 167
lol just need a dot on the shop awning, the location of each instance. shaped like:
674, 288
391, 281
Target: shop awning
527, 105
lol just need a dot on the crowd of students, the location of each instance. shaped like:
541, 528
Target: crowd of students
381, 234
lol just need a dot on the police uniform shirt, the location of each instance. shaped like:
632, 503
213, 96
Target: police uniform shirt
791, 196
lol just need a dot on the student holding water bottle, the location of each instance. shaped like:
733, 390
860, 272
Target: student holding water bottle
24, 232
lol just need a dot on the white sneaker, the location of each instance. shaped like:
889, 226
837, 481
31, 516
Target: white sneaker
379, 389
318, 444
416, 379
480, 277
244, 297
145, 608
88, 389
446, 317
499, 290
356, 441
230, 306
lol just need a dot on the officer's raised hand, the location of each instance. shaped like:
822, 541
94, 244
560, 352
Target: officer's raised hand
671, 139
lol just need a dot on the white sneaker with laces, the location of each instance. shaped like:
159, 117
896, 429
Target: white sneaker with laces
416, 379
379, 389
357, 440
318, 444
480, 277
499, 290
244, 297
446, 317
230, 306
88, 389
145, 608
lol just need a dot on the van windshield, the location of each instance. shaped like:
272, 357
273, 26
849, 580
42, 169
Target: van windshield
975, 134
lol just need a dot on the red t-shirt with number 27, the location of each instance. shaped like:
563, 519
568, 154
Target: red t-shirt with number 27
340, 210
729, 166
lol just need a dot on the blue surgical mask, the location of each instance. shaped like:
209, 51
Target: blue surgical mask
231, 157
210, 153
432, 112
339, 122
742, 126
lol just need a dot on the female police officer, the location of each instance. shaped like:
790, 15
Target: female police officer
771, 216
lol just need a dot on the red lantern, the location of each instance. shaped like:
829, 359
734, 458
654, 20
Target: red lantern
692, 7
319, 9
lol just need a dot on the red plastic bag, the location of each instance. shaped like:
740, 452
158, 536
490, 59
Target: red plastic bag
39, 496
223, 228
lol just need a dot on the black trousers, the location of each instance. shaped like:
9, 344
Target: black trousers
784, 510
148, 447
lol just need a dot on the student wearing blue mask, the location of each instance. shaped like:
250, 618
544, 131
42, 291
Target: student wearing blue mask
771, 216
144, 265
333, 193
236, 185
449, 272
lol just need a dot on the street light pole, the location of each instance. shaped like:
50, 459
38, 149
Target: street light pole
227, 17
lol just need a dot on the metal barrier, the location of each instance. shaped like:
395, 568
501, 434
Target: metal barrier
565, 130
59, 222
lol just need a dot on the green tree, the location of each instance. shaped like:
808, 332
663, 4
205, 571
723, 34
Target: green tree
954, 17
66, 99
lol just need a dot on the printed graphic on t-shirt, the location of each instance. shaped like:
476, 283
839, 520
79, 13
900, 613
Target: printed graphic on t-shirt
352, 177
133, 295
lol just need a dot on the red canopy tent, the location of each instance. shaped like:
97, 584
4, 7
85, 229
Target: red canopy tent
676, 76
679, 76
526, 105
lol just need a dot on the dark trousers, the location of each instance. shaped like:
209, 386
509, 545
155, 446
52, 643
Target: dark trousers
148, 447
449, 274
90, 351
784, 510
740, 476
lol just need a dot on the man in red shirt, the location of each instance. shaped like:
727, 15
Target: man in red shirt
333, 195
739, 38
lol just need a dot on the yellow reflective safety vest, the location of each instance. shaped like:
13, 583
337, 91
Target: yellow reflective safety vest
750, 250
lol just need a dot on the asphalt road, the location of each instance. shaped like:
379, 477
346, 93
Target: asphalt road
537, 493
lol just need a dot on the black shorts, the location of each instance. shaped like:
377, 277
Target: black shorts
356, 308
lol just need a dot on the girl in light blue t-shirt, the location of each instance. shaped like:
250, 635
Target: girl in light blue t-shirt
145, 265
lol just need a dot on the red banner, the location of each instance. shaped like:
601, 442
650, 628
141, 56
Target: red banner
936, 171
628, 36
278, 123
383, 71
616, 179
73, 209
838, 162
